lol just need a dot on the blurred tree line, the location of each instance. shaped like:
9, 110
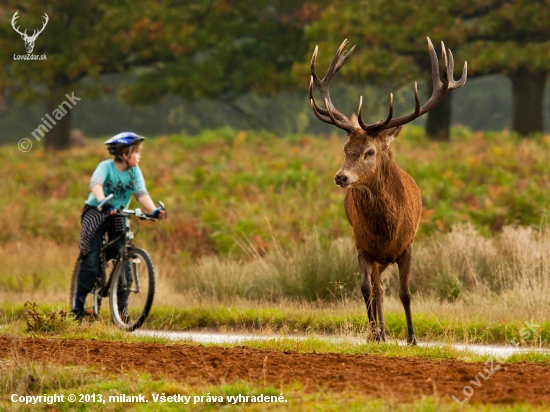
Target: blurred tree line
172, 65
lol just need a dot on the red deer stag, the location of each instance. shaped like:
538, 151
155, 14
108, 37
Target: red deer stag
383, 203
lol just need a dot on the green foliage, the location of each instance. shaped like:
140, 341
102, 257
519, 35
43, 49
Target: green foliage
511, 37
223, 49
210, 48
493, 36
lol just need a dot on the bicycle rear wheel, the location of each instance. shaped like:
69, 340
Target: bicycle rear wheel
132, 290
92, 304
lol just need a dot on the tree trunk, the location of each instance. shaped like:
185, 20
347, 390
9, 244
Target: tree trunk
58, 136
528, 93
439, 120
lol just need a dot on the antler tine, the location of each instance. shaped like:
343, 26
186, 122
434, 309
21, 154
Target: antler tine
43, 26
315, 110
435, 64
313, 62
330, 112
338, 60
336, 117
373, 128
451, 64
13, 21
438, 91
416, 100
453, 83
312, 99
445, 64
318, 111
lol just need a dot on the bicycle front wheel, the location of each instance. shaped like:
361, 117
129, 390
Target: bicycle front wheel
132, 290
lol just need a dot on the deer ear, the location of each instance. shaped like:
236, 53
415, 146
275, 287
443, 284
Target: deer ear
391, 134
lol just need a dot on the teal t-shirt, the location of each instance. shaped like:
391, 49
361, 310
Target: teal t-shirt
120, 184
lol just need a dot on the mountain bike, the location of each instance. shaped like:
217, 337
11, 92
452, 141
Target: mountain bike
128, 279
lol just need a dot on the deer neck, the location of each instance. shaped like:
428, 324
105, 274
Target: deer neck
384, 182
379, 200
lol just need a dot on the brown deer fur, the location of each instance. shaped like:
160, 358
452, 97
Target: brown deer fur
384, 205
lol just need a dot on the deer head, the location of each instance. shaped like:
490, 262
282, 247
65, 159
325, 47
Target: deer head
368, 145
29, 40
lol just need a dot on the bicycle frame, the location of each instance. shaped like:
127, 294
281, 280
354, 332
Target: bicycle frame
104, 283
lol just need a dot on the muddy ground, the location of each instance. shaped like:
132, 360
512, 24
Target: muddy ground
378, 376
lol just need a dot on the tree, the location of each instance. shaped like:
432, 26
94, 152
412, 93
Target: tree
81, 40
227, 48
514, 39
494, 36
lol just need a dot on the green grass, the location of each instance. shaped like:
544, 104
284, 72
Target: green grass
302, 319
49, 379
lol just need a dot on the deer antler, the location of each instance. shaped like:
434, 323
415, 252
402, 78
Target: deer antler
15, 17
334, 116
35, 33
438, 91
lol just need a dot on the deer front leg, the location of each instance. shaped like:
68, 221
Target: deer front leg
366, 266
404, 263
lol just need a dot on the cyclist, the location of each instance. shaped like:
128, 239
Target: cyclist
120, 177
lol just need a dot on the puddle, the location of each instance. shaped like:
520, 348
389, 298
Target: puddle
215, 337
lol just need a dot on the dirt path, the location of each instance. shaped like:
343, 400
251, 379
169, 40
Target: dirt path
379, 376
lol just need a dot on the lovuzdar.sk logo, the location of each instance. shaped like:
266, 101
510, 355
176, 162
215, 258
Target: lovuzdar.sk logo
29, 40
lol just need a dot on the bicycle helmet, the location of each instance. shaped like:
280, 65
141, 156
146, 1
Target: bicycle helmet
118, 142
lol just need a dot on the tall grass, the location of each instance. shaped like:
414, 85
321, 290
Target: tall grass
310, 270
462, 265
513, 265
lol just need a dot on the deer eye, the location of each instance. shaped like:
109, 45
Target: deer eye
369, 153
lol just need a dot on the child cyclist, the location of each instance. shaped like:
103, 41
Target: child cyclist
120, 177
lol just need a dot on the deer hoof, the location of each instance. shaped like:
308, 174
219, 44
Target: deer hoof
379, 335
411, 341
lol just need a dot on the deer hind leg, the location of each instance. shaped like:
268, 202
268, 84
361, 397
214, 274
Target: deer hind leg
404, 263
378, 302
367, 267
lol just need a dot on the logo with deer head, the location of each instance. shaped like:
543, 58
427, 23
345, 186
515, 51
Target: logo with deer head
29, 40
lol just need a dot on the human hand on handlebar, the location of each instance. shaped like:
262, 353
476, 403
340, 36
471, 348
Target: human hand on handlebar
160, 213
106, 207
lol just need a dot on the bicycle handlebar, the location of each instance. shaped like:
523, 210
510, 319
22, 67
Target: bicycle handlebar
129, 212
100, 206
137, 213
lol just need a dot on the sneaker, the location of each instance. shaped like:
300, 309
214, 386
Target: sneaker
78, 314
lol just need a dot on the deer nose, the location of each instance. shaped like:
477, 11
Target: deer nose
340, 179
